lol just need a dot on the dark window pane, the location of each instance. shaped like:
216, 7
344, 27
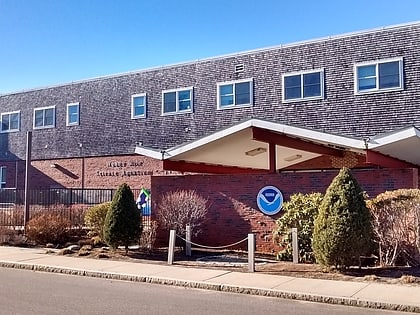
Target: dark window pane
312, 90
292, 87
367, 84
39, 118
169, 102
242, 93
184, 95
389, 75
5, 122
3, 175
226, 89
226, 100
14, 121
366, 71
184, 105
291, 93
312, 84
49, 117
139, 105
311, 78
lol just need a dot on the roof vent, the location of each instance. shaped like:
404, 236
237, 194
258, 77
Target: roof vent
239, 68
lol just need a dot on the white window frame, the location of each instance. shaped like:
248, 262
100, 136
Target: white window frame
177, 110
10, 130
376, 63
43, 109
2, 174
133, 116
233, 83
302, 97
68, 123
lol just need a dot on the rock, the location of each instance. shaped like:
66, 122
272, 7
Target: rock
65, 251
74, 247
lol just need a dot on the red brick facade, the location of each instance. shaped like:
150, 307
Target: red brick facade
233, 211
95, 172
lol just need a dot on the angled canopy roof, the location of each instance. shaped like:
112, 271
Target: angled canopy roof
247, 147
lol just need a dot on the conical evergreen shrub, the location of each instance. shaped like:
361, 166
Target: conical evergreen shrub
343, 227
123, 220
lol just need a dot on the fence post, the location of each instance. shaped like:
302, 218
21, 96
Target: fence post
251, 252
295, 246
188, 240
171, 247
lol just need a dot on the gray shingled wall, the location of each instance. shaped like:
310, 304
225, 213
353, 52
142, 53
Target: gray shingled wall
106, 127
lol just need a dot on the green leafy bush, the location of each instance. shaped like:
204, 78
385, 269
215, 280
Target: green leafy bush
49, 227
123, 220
343, 228
300, 212
396, 222
95, 219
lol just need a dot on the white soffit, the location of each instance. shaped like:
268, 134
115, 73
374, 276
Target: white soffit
228, 147
310, 135
403, 145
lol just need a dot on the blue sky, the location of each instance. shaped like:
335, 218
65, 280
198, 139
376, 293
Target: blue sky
49, 42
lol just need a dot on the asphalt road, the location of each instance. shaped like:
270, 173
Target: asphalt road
28, 292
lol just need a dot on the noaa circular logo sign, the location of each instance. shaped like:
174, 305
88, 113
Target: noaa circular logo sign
270, 200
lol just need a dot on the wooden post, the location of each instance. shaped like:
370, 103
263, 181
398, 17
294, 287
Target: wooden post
295, 246
171, 247
188, 240
251, 252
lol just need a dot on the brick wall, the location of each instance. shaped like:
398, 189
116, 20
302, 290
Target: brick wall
98, 172
233, 212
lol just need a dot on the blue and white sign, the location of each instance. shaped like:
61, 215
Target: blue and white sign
270, 200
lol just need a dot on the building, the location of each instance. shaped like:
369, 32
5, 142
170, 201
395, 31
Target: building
289, 116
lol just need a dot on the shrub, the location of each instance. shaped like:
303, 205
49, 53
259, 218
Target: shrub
148, 236
179, 208
123, 220
343, 227
396, 222
46, 228
300, 212
95, 219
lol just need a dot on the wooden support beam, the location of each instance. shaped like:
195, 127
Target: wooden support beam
188, 167
294, 143
383, 160
272, 157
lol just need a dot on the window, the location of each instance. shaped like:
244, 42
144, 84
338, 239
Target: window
138, 105
303, 85
3, 177
232, 94
378, 76
177, 101
44, 117
10, 121
73, 114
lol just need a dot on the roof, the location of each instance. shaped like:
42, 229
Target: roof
247, 146
236, 54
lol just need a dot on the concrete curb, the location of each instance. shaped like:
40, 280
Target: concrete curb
216, 287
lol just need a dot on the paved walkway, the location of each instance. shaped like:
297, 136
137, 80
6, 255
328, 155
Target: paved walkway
363, 294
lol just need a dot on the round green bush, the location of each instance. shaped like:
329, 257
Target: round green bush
95, 219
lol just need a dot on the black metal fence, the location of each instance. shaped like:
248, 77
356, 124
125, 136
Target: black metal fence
69, 201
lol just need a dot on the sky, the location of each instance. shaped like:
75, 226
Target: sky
52, 42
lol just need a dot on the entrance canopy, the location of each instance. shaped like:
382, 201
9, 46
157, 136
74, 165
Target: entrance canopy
261, 146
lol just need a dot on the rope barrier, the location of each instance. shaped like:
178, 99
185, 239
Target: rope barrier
212, 247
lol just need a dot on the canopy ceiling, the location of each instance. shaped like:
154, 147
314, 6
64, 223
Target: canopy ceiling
247, 147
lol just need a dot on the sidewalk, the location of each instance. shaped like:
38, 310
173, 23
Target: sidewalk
362, 294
